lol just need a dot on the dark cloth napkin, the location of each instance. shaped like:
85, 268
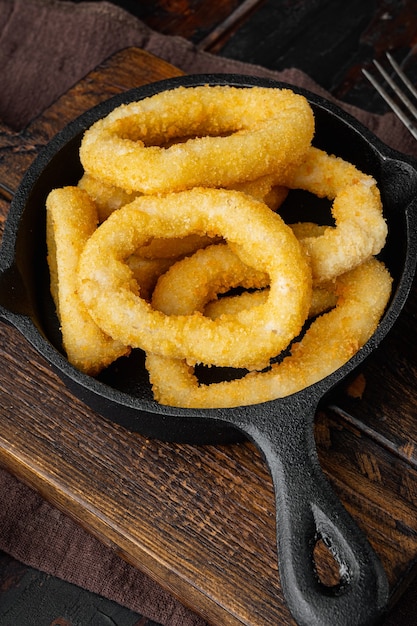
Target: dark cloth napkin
46, 46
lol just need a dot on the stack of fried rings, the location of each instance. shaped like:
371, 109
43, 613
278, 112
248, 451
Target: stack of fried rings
248, 339
331, 340
211, 197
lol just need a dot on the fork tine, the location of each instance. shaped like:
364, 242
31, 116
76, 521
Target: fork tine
410, 106
401, 95
407, 82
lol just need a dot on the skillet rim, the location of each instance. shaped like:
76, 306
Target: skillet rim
81, 384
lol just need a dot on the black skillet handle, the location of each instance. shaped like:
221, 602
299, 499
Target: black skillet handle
307, 509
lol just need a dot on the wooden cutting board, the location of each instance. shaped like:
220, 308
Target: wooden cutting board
201, 520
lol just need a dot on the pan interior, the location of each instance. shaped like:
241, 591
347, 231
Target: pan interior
128, 375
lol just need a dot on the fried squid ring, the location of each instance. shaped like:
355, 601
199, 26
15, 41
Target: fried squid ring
328, 344
263, 241
202, 277
264, 189
109, 198
360, 230
235, 135
147, 271
193, 283
71, 219
323, 296
322, 300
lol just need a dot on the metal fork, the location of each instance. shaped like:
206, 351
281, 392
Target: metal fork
411, 108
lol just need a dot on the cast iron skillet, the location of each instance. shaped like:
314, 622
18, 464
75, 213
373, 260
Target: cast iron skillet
306, 507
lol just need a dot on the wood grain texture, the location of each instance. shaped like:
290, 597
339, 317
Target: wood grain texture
199, 520
387, 407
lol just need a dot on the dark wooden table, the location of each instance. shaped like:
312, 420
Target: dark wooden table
200, 520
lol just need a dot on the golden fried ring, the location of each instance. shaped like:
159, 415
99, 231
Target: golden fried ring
71, 220
265, 242
264, 189
235, 135
328, 344
360, 230
146, 271
109, 198
322, 300
323, 296
190, 283
201, 277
